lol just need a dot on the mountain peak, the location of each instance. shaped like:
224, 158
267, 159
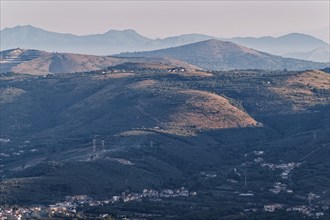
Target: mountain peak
25, 27
217, 42
125, 32
213, 41
220, 46
300, 36
296, 34
215, 54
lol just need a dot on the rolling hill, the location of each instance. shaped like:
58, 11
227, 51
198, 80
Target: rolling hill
41, 63
223, 55
166, 130
208, 55
14, 57
161, 130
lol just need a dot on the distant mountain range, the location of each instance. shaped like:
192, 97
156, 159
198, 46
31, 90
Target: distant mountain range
115, 41
111, 42
294, 42
208, 55
225, 55
319, 54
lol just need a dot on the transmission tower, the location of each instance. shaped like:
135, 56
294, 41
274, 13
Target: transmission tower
102, 145
94, 145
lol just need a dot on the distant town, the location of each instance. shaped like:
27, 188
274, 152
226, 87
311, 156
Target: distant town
68, 207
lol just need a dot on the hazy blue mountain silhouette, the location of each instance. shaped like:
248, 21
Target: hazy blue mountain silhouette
225, 55
294, 42
111, 42
118, 41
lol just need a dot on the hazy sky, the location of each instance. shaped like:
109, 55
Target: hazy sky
165, 18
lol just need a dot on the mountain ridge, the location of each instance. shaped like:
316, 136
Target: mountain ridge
224, 55
211, 55
37, 62
319, 54
128, 40
293, 42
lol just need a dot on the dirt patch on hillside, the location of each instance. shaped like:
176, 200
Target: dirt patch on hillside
316, 79
203, 110
143, 84
113, 76
135, 133
305, 89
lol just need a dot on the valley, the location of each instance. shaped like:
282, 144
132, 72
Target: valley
164, 110
250, 143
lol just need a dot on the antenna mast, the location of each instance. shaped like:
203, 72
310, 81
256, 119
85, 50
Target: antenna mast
102, 145
94, 145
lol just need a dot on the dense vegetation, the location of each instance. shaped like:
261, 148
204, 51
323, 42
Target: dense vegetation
52, 120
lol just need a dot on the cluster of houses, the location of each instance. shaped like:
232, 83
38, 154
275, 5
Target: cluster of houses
68, 207
309, 210
169, 70
272, 207
175, 70
8, 213
280, 187
4, 140
286, 167
303, 209
153, 195
207, 175
116, 71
